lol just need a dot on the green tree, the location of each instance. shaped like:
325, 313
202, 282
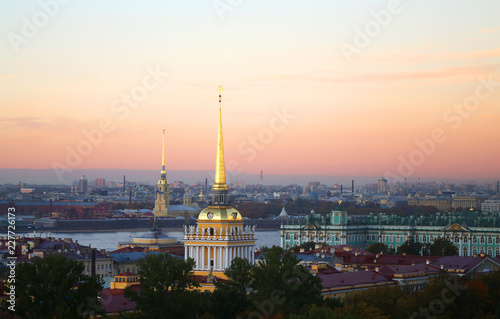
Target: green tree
166, 288
377, 248
410, 247
281, 285
230, 297
443, 247
55, 287
317, 312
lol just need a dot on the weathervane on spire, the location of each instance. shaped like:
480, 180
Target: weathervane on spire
220, 89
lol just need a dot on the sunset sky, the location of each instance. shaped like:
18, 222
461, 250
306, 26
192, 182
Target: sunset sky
323, 87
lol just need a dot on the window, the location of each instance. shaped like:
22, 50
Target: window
457, 239
397, 238
337, 238
497, 252
383, 238
373, 238
490, 253
482, 240
417, 238
474, 240
465, 240
390, 238
466, 253
424, 239
287, 236
474, 251
367, 237
490, 240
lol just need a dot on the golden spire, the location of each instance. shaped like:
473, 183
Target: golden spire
220, 173
163, 171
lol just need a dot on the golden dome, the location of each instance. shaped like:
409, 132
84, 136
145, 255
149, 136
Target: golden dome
219, 214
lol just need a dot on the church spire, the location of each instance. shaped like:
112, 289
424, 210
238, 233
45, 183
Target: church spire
219, 190
163, 171
220, 173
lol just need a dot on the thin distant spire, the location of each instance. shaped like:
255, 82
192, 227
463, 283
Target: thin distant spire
163, 171
220, 172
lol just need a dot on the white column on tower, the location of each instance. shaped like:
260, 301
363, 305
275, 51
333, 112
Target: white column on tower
221, 266
217, 256
202, 259
226, 262
209, 256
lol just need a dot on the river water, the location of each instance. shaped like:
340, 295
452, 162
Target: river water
109, 240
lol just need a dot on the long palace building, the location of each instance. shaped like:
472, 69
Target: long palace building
220, 235
472, 232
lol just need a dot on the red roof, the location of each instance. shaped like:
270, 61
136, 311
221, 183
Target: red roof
408, 269
113, 300
456, 262
342, 279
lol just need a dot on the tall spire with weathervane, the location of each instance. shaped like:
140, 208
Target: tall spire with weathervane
219, 190
163, 171
162, 198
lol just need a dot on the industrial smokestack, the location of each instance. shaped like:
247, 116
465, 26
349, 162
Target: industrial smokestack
206, 186
498, 187
352, 187
341, 188
130, 197
50, 209
123, 184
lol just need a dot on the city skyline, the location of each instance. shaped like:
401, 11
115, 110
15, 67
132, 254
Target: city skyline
387, 89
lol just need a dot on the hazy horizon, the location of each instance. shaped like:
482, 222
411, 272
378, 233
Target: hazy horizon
48, 177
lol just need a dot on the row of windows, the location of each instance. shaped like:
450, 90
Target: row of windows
397, 238
100, 267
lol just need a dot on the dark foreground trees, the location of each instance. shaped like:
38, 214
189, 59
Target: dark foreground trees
281, 284
166, 288
275, 285
55, 287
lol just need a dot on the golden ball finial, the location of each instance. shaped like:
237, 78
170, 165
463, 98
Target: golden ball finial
340, 202
220, 89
